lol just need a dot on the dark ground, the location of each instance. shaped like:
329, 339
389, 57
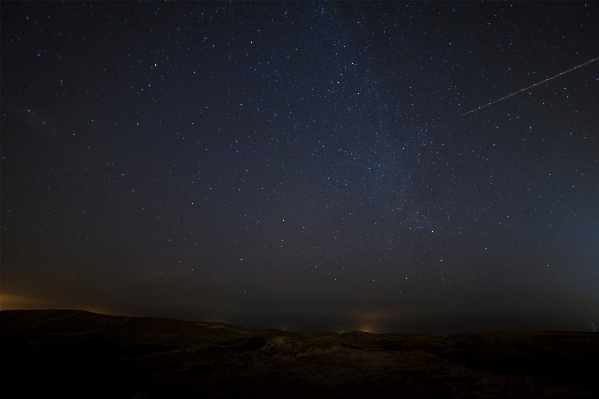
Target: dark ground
70, 353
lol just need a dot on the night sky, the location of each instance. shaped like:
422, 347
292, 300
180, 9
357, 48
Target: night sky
303, 166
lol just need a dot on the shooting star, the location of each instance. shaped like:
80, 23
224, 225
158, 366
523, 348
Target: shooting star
530, 87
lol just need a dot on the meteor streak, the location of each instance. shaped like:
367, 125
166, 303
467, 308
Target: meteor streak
530, 87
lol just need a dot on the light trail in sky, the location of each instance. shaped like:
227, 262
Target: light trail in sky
531, 86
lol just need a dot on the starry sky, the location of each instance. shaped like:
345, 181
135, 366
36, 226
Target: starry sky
303, 166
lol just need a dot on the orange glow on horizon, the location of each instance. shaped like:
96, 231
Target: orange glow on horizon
377, 320
25, 302
12, 301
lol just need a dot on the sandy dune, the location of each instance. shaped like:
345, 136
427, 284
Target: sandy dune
82, 354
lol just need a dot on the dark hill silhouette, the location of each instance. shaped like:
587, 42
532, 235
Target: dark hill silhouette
72, 353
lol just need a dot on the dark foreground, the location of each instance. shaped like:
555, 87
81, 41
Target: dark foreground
80, 354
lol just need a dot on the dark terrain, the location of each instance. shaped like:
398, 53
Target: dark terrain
70, 353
